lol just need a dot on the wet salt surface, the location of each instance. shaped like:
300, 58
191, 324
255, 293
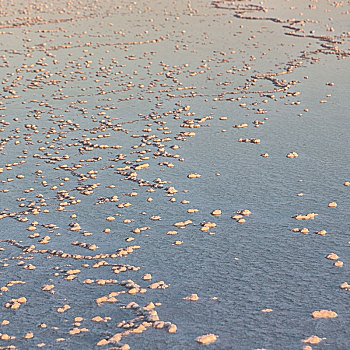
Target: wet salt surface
66, 75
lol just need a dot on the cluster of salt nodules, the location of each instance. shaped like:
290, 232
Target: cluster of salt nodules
206, 339
171, 190
292, 155
132, 287
75, 227
48, 287
324, 314
313, 340
304, 230
321, 233
238, 216
100, 282
252, 140
123, 268
15, 304
192, 297
147, 317
85, 245
310, 216
332, 205
345, 286
141, 229
63, 309
334, 257
158, 285
194, 176
206, 226
183, 224
240, 126
76, 330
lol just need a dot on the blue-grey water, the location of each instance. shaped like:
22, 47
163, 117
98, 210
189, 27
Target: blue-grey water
78, 75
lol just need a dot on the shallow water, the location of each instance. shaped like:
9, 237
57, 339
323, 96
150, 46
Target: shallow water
72, 73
